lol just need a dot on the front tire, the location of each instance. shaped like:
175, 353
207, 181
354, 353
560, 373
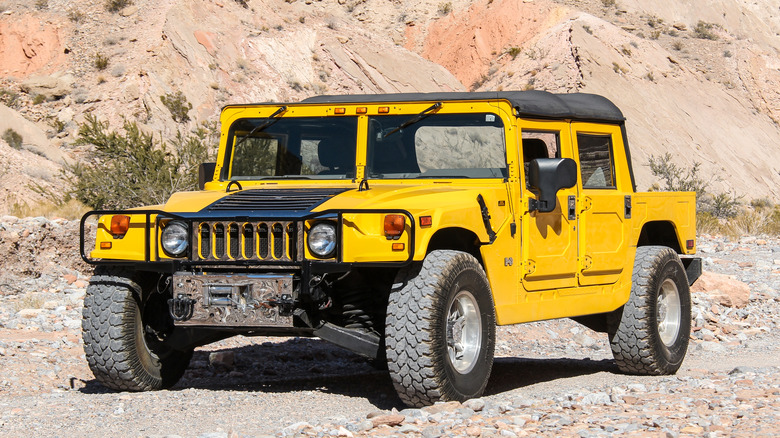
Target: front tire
120, 343
652, 335
440, 331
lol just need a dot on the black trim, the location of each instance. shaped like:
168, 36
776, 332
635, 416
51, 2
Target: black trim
628, 156
532, 103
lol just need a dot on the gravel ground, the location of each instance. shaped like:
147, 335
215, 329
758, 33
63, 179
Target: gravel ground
552, 378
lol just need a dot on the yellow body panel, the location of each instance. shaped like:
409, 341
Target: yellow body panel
566, 263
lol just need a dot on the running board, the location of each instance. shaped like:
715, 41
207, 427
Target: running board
357, 341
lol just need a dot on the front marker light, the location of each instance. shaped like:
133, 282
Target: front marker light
175, 238
322, 239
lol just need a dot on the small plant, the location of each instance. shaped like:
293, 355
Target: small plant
654, 21
761, 203
677, 45
672, 32
479, 82
626, 51
705, 31
56, 124
513, 52
445, 8
727, 54
301, 19
655, 34
243, 4
101, 80
76, 16
675, 178
41, 4
100, 61
39, 99
587, 29
650, 76
13, 138
117, 5
242, 63
609, 3
724, 205
8, 98
178, 105
617, 68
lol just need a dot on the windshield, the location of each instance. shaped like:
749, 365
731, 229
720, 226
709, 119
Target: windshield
292, 148
437, 146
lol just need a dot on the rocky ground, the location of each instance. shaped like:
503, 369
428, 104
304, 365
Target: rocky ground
552, 378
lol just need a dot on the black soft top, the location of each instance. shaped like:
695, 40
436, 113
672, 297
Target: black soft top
532, 104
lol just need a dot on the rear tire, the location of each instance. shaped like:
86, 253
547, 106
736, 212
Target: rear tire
440, 331
120, 349
655, 324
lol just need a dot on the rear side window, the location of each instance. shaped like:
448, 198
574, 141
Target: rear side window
596, 161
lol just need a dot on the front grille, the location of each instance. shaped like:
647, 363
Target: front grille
270, 241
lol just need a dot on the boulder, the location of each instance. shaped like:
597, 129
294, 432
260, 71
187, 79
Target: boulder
49, 86
725, 289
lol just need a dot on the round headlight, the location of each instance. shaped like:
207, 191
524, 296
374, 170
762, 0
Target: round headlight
322, 239
175, 238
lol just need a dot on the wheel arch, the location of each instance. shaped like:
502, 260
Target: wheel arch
457, 239
660, 233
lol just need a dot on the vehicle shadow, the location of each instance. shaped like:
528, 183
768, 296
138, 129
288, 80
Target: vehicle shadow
511, 373
304, 364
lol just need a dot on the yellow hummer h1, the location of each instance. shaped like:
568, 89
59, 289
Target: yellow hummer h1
403, 227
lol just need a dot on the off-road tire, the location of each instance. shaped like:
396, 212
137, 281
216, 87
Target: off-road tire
638, 340
416, 328
119, 352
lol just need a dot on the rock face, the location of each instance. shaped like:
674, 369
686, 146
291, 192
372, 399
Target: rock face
724, 289
708, 98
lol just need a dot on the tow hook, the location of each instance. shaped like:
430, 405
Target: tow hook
181, 307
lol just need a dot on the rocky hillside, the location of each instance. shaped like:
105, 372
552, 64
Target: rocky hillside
700, 84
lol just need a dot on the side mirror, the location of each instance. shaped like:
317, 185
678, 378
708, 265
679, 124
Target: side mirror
548, 175
205, 174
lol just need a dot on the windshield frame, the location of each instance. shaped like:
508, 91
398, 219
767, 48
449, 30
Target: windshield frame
293, 135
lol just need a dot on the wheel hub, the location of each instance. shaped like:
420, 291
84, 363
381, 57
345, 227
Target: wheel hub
668, 312
464, 332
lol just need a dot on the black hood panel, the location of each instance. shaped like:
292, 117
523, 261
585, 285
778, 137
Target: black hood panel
289, 200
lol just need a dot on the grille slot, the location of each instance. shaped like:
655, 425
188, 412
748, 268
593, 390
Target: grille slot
272, 241
274, 200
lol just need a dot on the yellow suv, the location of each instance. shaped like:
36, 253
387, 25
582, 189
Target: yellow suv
403, 227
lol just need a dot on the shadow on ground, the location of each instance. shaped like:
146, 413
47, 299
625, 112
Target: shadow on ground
302, 364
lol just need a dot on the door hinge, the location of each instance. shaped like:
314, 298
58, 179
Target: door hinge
572, 207
628, 207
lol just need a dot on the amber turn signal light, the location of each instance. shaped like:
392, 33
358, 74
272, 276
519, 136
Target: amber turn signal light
426, 221
105, 245
120, 224
398, 247
340, 111
394, 225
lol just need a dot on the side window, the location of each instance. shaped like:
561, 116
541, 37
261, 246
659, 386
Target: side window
539, 144
596, 161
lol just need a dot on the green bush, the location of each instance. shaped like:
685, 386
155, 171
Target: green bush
100, 61
117, 5
704, 30
13, 138
178, 105
132, 168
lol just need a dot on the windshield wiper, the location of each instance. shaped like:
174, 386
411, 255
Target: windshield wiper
425, 113
270, 121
